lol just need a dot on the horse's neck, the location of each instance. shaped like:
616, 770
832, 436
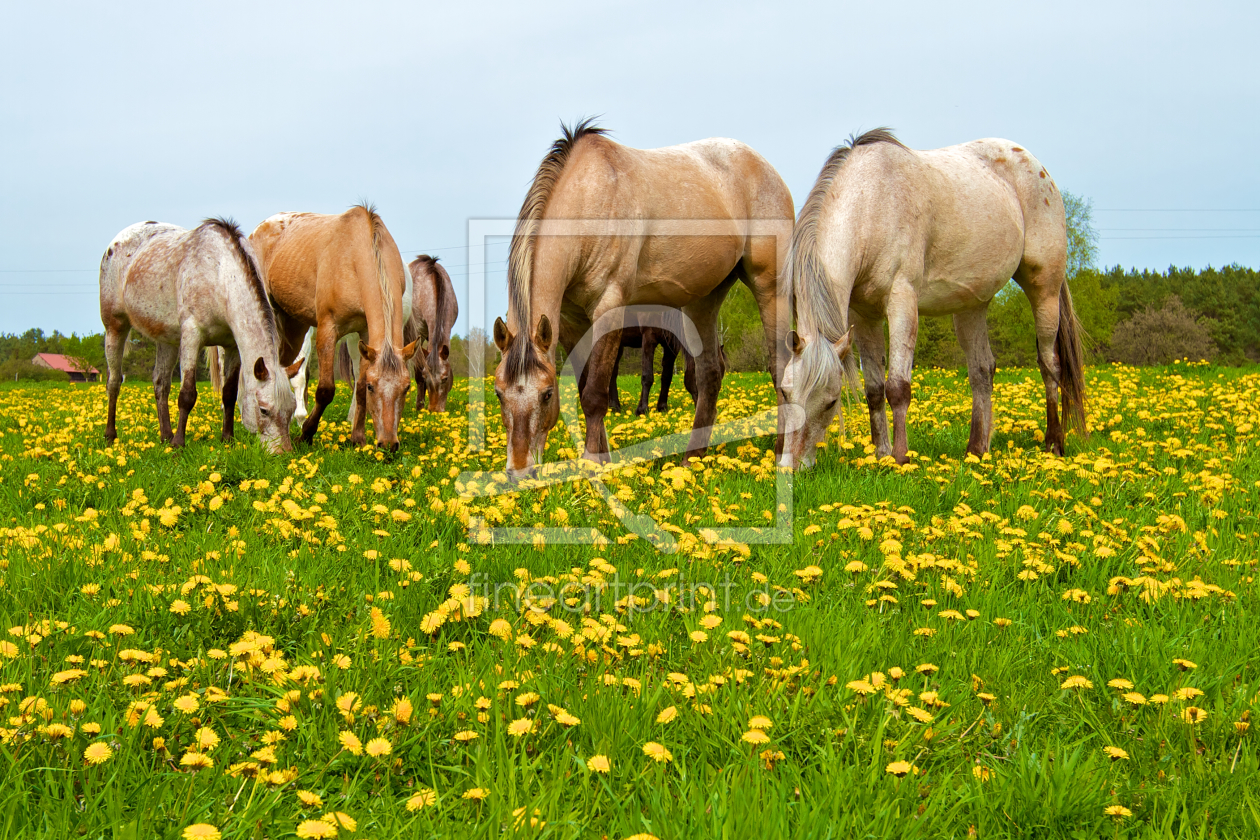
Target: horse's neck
248, 321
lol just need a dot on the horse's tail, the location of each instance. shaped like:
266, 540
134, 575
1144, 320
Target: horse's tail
216, 372
1068, 346
343, 365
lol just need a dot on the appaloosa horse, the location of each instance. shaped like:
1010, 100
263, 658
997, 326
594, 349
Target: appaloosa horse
342, 274
890, 233
186, 289
606, 226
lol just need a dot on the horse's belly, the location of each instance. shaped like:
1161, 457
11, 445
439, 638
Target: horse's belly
154, 315
948, 297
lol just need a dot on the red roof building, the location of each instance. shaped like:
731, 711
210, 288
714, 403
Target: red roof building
65, 364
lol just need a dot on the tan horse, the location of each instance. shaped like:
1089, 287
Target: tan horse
186, 289
433, 307
341, 274
622, 216
890, 233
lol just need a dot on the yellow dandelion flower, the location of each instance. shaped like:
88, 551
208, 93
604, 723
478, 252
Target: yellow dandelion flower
901, 768
476, 794
1185, 664
315, 830
1193, 715
1117, 811
98, 753
755, 737
310, 799
760, 722
196, 760
1115, 753
1076, 681
422, 798
667, 714
520, 726
202, 831
378, 747
466, 735
657, 752
1133, 698
337, 819
350, 742
598, 764
1120, 683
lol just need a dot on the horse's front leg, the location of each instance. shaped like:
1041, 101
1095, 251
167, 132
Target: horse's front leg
358, 432
115, 344
231, 385
869, 337
325, 347
189, 351
599, 367
614, 396
972, 330
163, 369
708, 375
668, 357
903, 331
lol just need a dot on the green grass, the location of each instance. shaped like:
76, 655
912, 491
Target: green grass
1136, 550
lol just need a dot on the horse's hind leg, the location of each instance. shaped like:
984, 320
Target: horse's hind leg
231, 385
869, 338
1045, 308
903, 330
708, 370
115, 344
669, 355
189, 352
325, 348
972, 330
647, 373
163, 369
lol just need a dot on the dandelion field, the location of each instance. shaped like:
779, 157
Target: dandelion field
218, 643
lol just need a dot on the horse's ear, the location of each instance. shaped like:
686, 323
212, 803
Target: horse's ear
543, 337
260, 370
409, 350
291, 370
445, 352
794, 343
845, 344
502, 335
366, 351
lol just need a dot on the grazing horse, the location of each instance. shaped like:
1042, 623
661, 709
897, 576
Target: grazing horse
890, 233
342, 274
185, 289
433, 304
588, 186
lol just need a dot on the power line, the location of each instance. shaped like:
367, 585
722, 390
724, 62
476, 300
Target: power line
1177, 209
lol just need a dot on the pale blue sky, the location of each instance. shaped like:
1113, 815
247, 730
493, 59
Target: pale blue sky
117, 113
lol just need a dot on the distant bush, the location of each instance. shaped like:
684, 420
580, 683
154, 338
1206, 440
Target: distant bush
20, 369
1158, 336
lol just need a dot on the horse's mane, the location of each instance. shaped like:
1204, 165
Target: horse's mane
389, 360
253, 272
805, 275
522, 357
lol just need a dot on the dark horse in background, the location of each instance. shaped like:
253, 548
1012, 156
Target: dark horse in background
647, 339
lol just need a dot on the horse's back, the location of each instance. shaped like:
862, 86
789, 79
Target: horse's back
117, 260
151, 285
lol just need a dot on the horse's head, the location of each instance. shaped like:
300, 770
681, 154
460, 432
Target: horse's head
267, 405
386, 382
813, 382
438, 377
525, 383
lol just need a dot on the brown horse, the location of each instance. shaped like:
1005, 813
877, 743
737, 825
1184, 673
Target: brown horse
186, 289
890, 233
433, 305
606, 226
342, 274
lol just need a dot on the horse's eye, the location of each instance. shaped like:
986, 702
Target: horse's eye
264, 412
498, 394
831, 405
372, 389
546, 395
